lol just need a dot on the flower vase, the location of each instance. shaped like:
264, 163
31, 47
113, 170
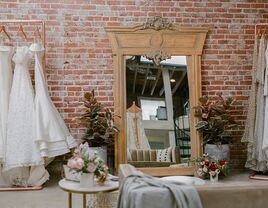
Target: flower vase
199, 173
87, 180
214, 176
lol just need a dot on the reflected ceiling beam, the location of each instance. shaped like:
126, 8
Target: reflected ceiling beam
168, 95
145, 81
170, 76
134, 82
178, 83
157, 78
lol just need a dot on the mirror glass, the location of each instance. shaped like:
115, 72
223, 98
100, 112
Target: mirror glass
157, 100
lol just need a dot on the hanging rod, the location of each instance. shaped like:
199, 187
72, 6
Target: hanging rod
21, 21
29, 21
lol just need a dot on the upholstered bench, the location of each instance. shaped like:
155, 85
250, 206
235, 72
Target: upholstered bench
235, 191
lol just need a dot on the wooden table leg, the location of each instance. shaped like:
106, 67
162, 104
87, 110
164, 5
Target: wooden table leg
84, 201
70, 199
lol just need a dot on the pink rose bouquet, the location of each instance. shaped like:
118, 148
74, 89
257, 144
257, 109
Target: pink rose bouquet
86, 160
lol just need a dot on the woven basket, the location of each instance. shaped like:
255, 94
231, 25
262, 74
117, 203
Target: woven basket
103, 200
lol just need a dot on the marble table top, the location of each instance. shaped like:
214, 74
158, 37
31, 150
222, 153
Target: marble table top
74, 187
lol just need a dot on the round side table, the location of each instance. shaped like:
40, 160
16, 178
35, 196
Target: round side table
74, 187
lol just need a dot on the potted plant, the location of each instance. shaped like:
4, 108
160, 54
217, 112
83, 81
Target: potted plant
98, 122
215, 122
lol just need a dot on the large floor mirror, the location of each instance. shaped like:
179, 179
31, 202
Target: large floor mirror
157, 83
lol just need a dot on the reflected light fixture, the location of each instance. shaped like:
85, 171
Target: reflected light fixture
172, 80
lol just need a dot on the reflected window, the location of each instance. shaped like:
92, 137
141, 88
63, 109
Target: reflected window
152, 108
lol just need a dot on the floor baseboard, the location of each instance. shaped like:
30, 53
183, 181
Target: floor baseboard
35, 188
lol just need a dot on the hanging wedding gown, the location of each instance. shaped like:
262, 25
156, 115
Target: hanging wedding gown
52, 134
6, 53
136, 137
255, 128
259, 127
23, 163
248, 135
265, 134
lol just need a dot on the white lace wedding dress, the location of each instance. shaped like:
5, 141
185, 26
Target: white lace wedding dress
52, 134
23, 165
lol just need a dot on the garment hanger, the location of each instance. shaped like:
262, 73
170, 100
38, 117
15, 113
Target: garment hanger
21, 33
258, 33
265, 32
134, 108
3, 29
37, 34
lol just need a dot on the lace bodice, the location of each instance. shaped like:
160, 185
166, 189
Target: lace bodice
22, 56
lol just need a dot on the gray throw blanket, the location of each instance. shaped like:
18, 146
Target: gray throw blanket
139, 191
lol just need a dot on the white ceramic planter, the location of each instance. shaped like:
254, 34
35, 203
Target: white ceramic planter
87, 180
218, 152
214, 178
71, 174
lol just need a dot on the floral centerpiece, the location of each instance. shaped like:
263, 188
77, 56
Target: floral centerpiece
212, 168
86, 161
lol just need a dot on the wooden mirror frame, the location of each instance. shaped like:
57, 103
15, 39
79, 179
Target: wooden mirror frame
157, 39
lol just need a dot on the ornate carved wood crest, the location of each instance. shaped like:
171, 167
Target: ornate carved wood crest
158, 23
158, 56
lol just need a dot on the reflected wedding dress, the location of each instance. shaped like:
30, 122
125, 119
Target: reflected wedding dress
23, 165
136, 137
51, 132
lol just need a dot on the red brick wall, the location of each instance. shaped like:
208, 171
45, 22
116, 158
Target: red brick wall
79, 54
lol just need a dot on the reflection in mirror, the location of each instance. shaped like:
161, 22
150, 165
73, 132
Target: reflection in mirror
158, 133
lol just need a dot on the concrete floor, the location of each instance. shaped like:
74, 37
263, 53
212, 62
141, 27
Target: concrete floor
51, 196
